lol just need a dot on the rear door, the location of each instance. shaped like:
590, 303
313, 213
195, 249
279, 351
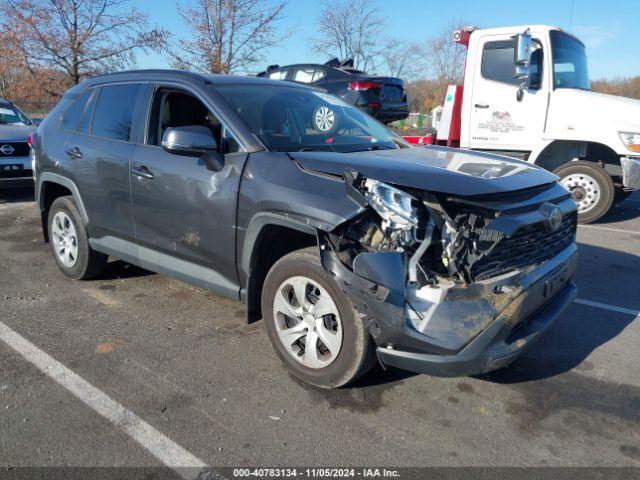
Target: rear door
497, 120
185, 214
99, 151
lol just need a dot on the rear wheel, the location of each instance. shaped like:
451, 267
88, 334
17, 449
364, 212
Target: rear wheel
311, 323
69, 242
591, 188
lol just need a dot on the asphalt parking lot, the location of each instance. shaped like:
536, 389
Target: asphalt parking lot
183, 363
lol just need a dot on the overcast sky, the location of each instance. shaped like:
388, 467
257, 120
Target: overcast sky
608, 28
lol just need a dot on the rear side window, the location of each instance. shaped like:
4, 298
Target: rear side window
308, 74
71, 116
278, 74
114, 111
304, 75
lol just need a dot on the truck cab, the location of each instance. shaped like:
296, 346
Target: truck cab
540, 108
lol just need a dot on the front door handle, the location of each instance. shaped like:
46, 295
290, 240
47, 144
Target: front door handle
75, 152
481, 105
142, 172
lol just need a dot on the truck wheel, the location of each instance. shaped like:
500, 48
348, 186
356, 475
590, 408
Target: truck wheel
311, 323
69, 242
590, 186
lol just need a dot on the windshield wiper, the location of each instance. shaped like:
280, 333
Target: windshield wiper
374, 147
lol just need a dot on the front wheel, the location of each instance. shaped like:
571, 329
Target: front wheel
591, 188
311, 323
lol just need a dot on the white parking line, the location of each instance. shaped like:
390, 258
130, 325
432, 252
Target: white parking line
168, 452
618, 230
606, 306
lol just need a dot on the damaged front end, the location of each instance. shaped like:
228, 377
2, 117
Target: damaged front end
452, 285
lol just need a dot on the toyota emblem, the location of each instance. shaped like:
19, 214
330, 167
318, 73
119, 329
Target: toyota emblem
6, 149
554, 219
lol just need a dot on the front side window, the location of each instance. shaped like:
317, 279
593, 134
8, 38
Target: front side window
569, 62
498, 64
289, 118
176, 108
10, 115
114, 111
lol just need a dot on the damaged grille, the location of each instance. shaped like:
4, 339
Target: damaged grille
530, 245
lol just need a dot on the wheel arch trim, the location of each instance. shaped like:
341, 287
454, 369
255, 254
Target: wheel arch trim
257, 225
66, 182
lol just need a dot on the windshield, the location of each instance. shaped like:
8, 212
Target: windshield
289, 119
569, 62
10, 115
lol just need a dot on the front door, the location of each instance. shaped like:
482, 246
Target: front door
185, 214
497, 119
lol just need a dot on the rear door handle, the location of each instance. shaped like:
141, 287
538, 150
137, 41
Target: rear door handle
142, 172
481, 105
74, 152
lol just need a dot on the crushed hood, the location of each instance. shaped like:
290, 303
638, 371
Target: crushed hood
436, 169
16, 133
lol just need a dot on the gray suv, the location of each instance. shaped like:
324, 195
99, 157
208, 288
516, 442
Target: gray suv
15, 152
350, 245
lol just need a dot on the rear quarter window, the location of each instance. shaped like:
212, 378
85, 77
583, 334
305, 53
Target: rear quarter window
71, 114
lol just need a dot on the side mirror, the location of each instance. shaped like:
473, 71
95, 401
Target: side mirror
193, 141
522, 59
522, 52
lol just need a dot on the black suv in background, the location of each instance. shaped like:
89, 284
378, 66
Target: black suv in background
382, 97
347, 242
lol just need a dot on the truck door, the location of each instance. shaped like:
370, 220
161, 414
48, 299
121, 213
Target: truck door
497, 120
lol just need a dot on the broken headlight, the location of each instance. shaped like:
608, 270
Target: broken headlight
393, 205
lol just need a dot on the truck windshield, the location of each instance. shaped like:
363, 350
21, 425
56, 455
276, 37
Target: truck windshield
9, 115
569, 62
289, 119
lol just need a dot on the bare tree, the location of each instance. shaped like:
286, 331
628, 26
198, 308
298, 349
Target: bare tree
78, 37
350, 29
445, 57
228, 35
399, 58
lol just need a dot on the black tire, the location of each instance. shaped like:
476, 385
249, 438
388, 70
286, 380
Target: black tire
357, 352
88, 263
604, 186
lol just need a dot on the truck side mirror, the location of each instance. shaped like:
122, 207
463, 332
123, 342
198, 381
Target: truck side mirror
522, 52
522, 60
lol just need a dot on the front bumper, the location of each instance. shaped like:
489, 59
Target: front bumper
494, 348
630, 172
16, 172
473, 331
